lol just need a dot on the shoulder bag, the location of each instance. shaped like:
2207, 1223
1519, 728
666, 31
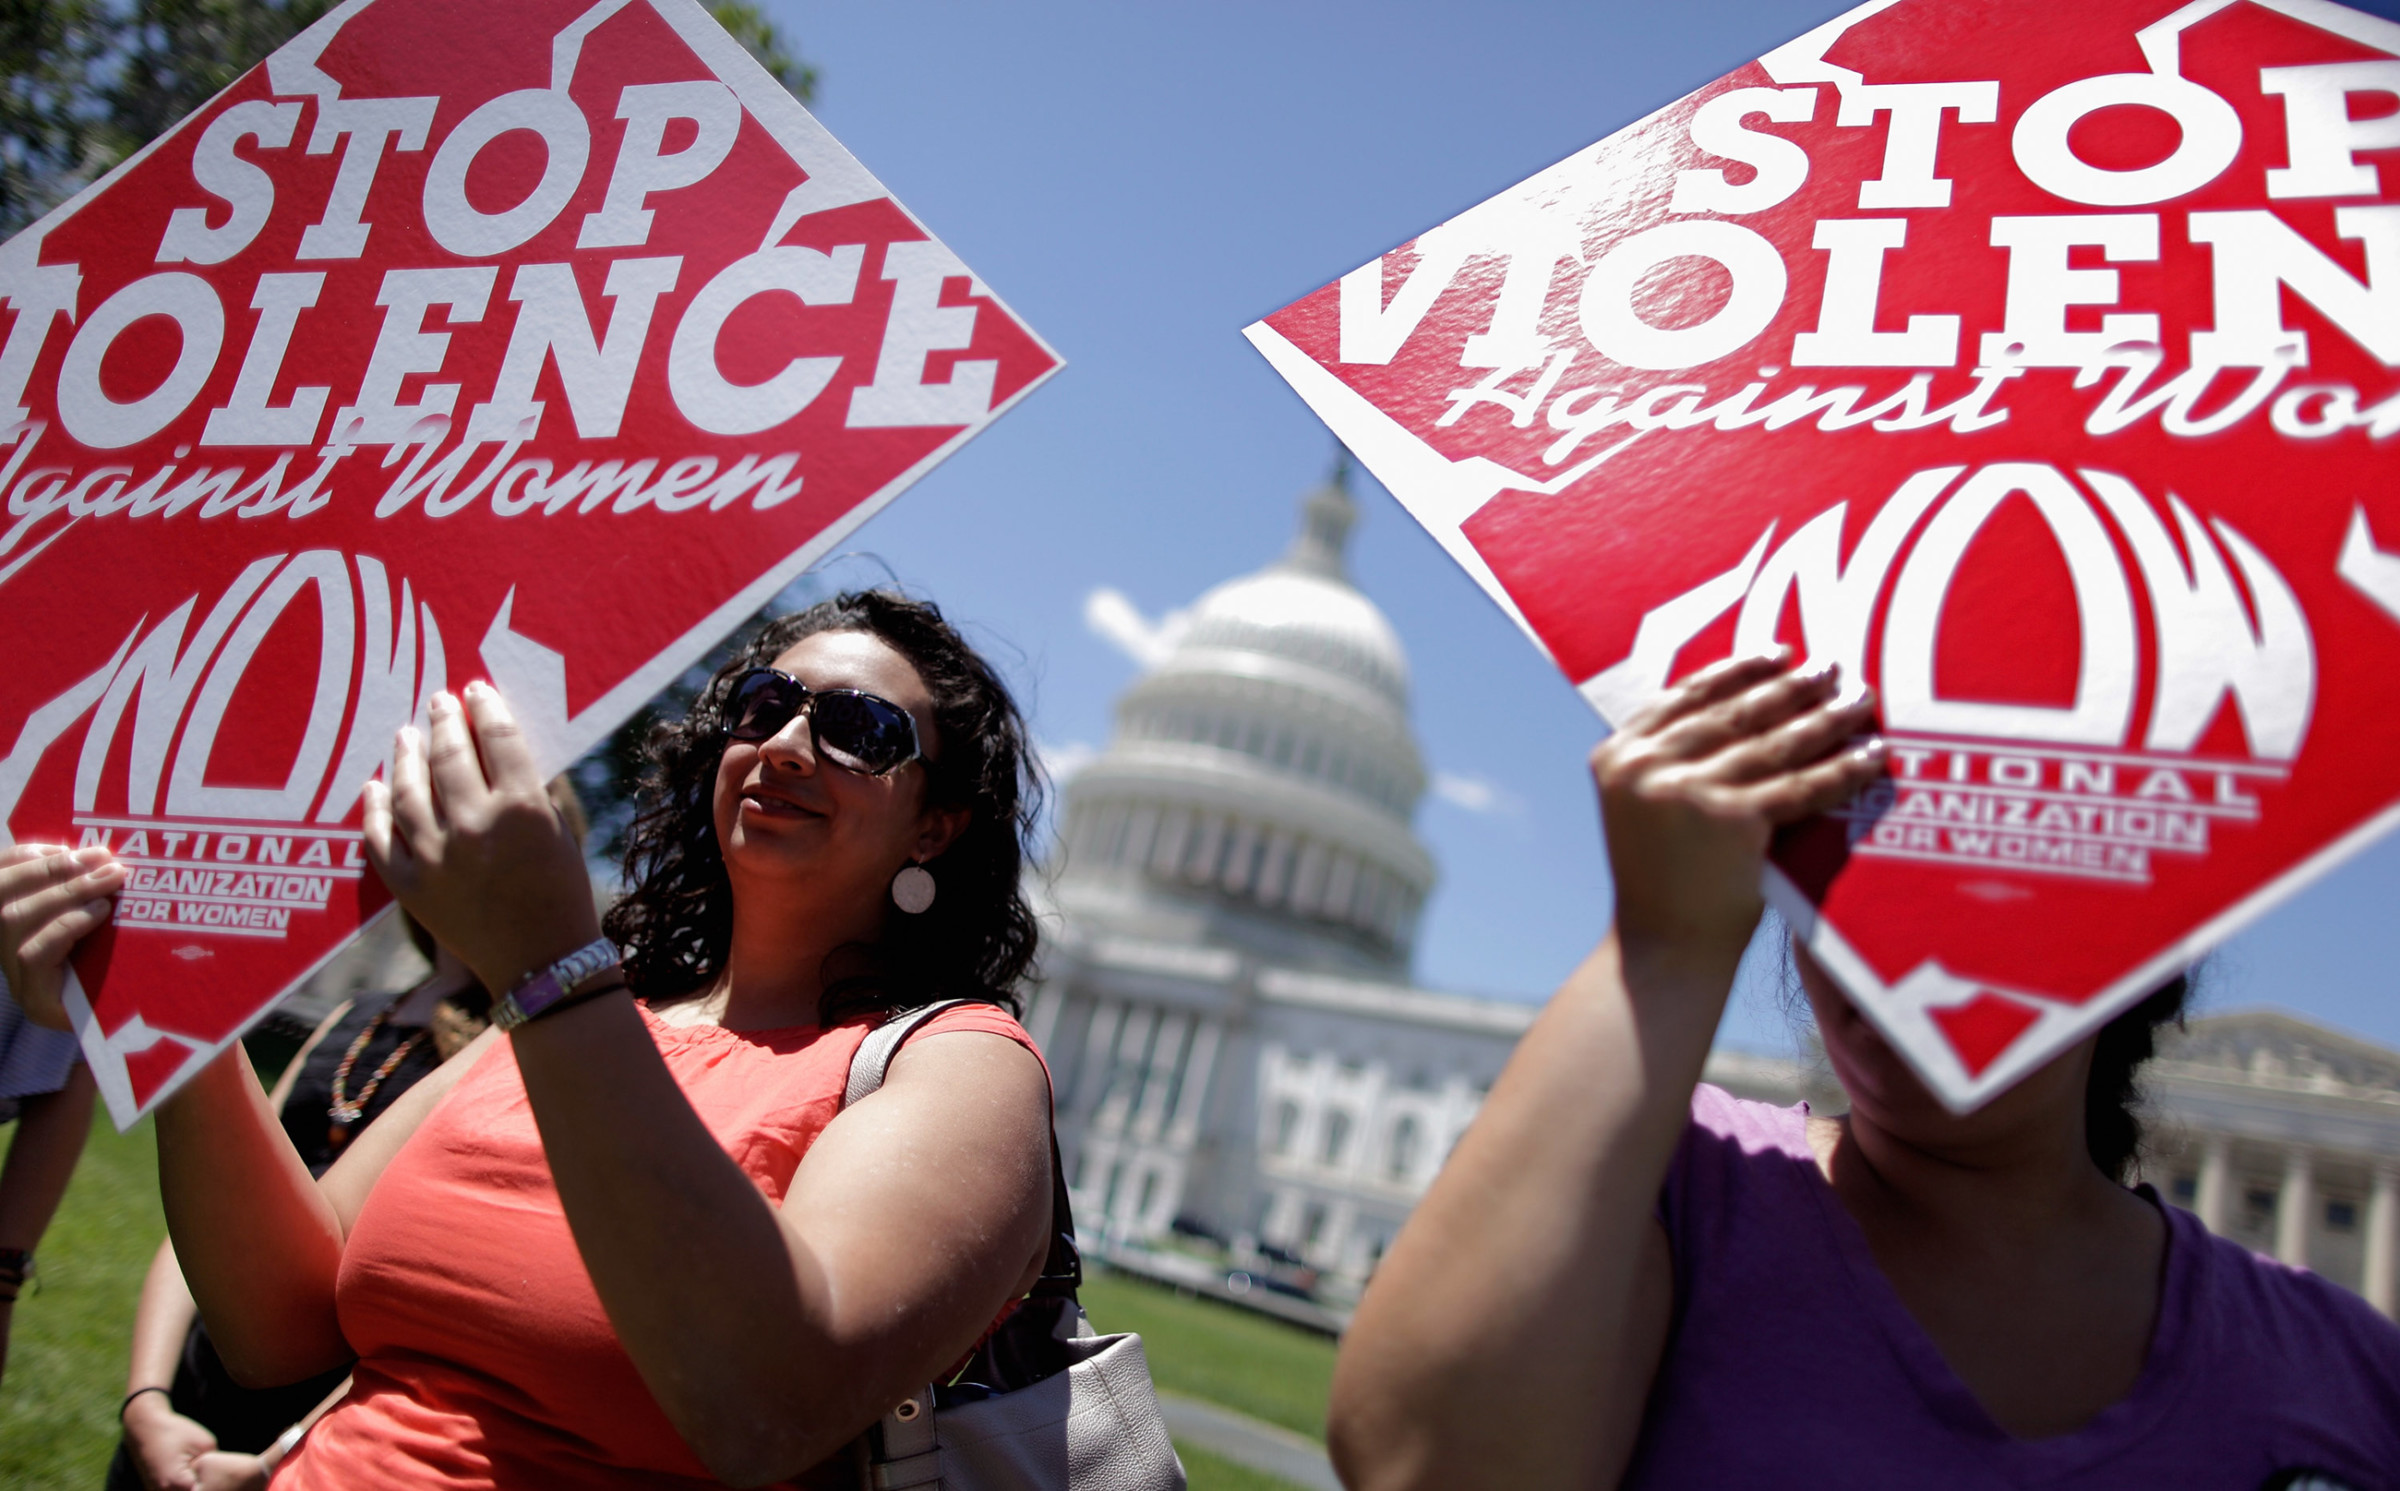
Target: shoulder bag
1045, 1404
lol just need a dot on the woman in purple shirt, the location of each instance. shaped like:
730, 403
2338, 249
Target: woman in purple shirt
1625, 1278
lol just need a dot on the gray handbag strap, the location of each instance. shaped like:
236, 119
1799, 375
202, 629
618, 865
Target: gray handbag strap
875, 1053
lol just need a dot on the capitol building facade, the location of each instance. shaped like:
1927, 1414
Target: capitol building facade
1245, 1069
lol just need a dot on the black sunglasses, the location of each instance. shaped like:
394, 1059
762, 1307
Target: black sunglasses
855, 730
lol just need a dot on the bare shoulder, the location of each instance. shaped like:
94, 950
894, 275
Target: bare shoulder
978, 1063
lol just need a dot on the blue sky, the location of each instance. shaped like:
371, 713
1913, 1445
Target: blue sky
1140, 182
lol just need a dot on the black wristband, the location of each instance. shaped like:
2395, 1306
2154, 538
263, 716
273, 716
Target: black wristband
137, 1392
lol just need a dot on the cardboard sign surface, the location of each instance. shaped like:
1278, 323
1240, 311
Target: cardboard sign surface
2031, 358
540, 342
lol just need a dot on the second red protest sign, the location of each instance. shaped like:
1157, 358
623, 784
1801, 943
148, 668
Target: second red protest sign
539, 342
2031, 361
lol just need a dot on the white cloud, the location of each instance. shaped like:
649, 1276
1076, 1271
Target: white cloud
1118, 621
1475, 795
1062, 762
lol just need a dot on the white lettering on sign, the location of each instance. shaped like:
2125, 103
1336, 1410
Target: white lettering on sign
2257, 254
623, 220
919, 325
1913, 139
2091, 815
1837, 601
1621, 334
2209, 129
247, 418
554, 325
2207, 647
189, 793
703, 393
465, 229
2212, 647
220, 879
2104, 680
370, 125
403, 347
1846, 334
1779, 167
1373, 332
2041, 288
85, 408
2319, 132
248, 189
166, 672
181, 693
387, 670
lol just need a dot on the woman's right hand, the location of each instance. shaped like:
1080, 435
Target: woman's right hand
50, 898
167, 1447
1693, 787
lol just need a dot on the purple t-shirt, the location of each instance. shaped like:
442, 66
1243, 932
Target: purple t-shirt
1793, 1363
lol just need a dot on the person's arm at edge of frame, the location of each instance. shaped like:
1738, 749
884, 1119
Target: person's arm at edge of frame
157, 1434
259, 1239
1511, 1335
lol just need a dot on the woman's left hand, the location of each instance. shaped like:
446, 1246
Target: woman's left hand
466, 837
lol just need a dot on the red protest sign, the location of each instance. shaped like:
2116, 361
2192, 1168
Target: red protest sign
2033, 361
539, 342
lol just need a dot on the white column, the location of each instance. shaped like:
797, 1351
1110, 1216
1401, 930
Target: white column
1166, 1053
2383, 1242
2214, 1201
2295, 1208
1184, 1126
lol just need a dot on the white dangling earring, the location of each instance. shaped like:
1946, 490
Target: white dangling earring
912, 889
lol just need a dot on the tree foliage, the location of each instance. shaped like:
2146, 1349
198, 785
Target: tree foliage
85, 83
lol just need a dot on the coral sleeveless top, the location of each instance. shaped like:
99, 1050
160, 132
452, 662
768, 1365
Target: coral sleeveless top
484, 1356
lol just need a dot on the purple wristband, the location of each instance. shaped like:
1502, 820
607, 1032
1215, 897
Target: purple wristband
556, 984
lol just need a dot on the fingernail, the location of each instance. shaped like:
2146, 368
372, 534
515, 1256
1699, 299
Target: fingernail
1873, 745
91, 855
1852, 695
477, 689
1823, 672
444, 702
409, 737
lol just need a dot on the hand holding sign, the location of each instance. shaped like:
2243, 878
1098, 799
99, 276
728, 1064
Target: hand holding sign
1695, 784
50, 899
467, 838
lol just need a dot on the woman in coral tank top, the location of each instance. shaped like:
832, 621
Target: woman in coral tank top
637, 1240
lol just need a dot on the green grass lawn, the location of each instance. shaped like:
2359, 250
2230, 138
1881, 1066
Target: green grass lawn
66, 1359
1206, 1472
1202, 1349
66, 1351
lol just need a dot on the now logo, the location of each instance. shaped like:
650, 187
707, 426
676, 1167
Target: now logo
169, 685
2211, 643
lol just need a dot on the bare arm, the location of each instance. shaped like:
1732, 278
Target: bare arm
165, 1314
1512, 1333
165, 1444
770, 1336
259, 1238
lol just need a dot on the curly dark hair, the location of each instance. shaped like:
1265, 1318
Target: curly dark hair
675, 921
2113, 1129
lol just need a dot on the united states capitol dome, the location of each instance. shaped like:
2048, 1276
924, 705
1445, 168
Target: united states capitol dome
1259, 788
